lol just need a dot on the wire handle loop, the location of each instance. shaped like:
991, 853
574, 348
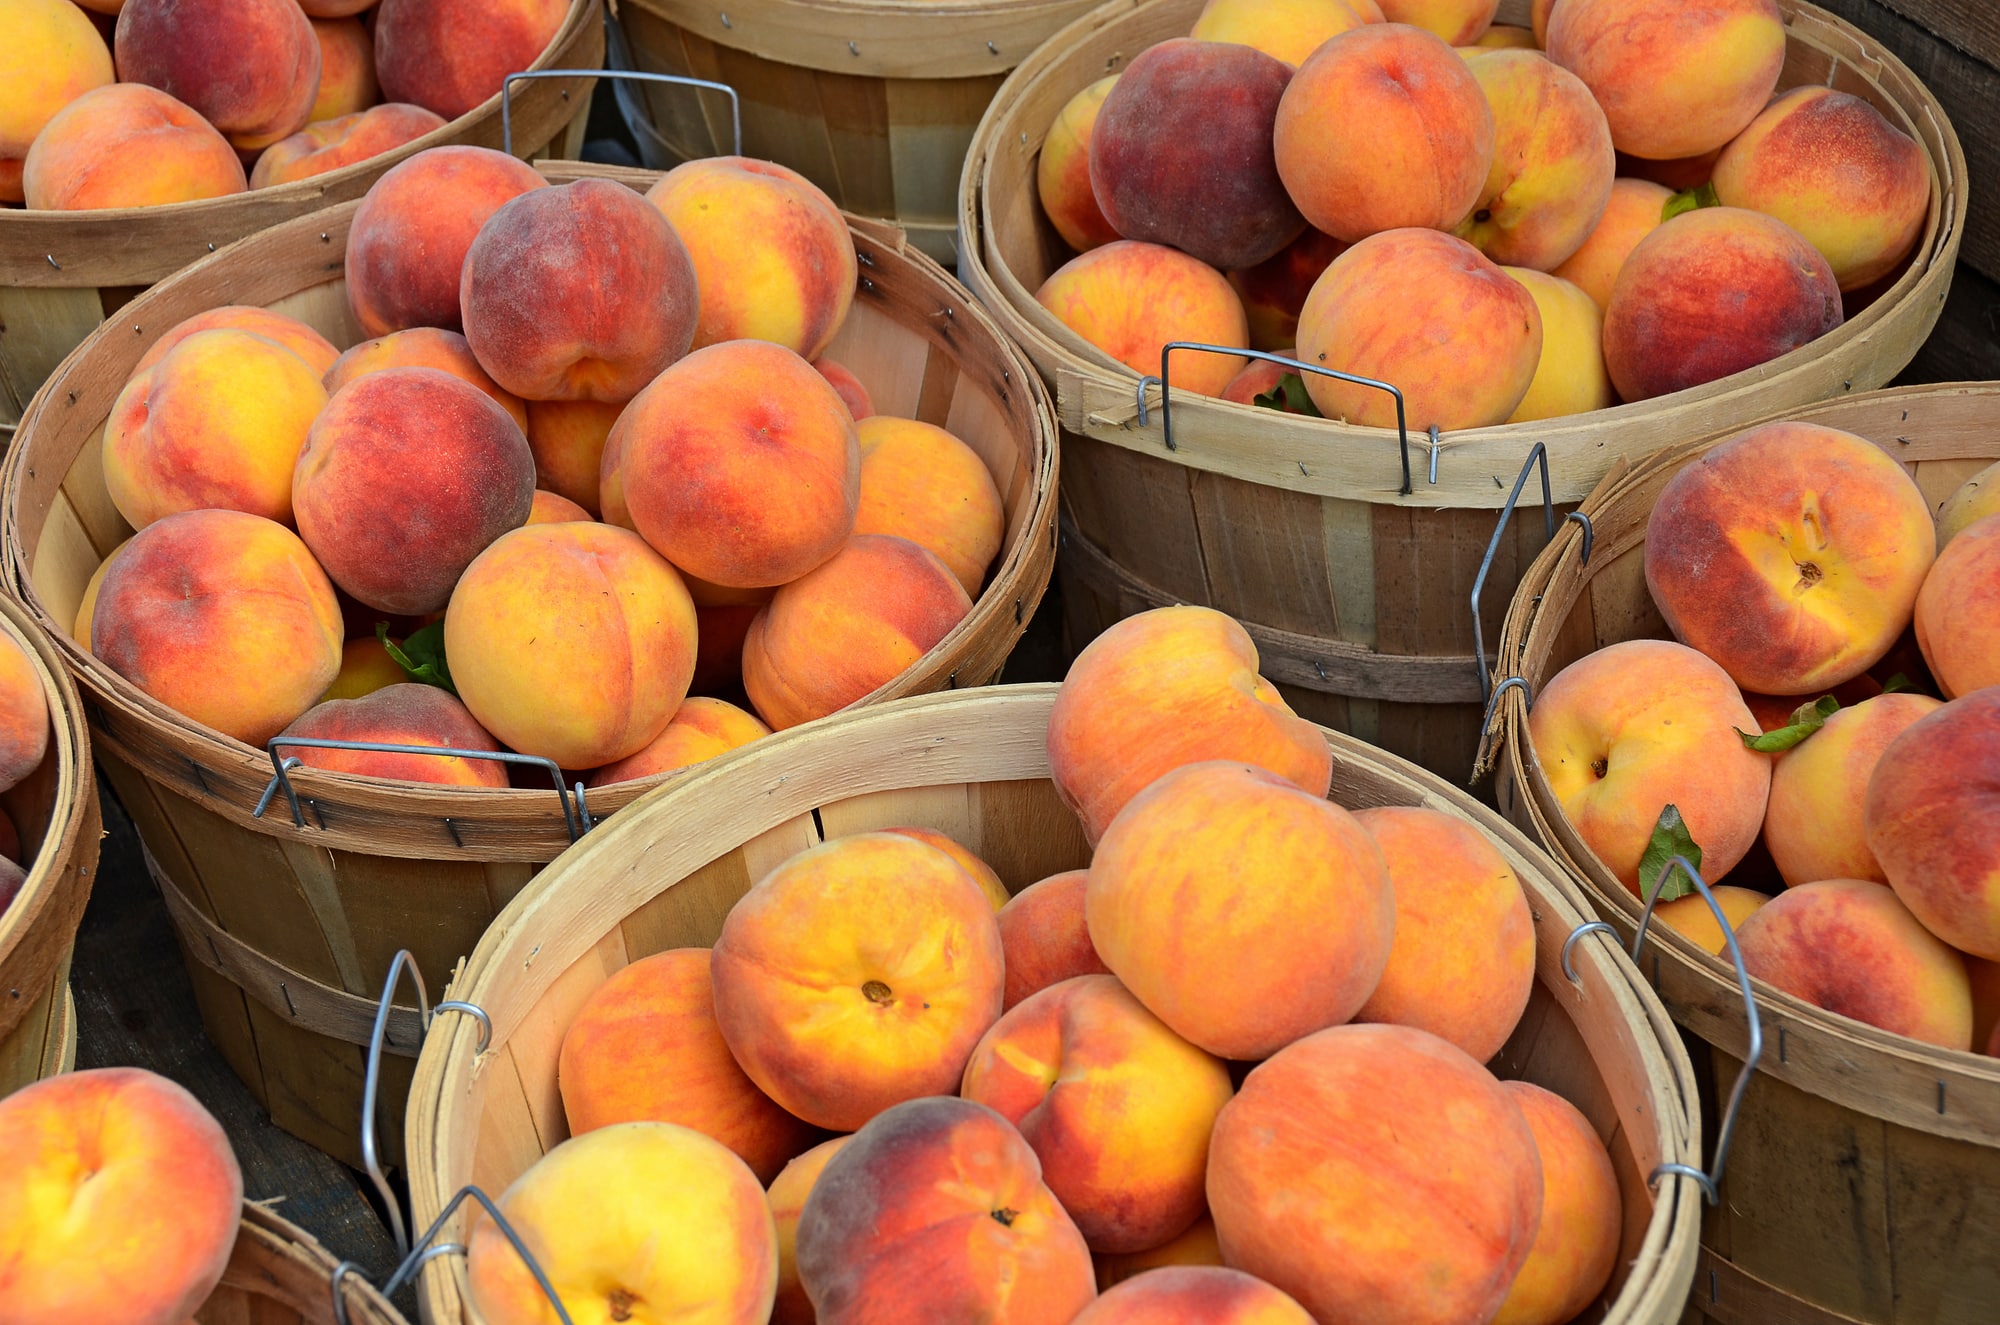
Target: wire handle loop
429, 1249
1538, 454
404, 960
1569, 945
576, 818
629, 75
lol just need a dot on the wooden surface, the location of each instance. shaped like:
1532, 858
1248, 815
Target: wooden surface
279, 1274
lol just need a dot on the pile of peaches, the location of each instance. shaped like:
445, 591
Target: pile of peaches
1815, 601
401, 543
134, 103
1493, 228
1229, 1073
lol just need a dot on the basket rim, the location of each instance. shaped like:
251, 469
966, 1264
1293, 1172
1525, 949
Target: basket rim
264, 1233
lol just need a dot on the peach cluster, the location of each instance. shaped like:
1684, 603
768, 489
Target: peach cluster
1799, 569
1404, 192
1089, 1088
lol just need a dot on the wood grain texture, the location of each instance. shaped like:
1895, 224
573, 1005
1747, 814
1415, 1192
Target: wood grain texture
278, 1274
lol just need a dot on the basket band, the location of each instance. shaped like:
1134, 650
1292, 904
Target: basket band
1725, 1293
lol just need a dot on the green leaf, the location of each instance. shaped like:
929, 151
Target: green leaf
1806, 719
1898, 684
1670, 838
421, 656
1289, 395
1700, 196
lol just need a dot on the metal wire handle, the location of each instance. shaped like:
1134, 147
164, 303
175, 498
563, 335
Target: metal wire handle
424, 1253
1538, 454
576, 818
630, 75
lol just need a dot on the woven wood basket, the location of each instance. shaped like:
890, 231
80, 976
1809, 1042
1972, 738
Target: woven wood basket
974, 766
1864, 1184
288, 929
64, 273
278, 1275
1355, 591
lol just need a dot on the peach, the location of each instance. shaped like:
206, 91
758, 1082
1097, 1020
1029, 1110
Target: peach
318, 8
1382, 128
1972, 501
700, 729
936, 1211
857, 975
1045, 936
771, 253
1262, 378
1432, 315
1195, 1295
24, 718
423, 347
1459, 22
1131, 299
1853, 948
1181, 154
1502, 37
1197, 1246
1933, 821
567, 438
583, 611
1376, 1173
451, 55
1116, 1106
641, 1217
120, 1200
1629, 729
1552, 162
1576, 1243
1632, 212
401, 714
1275, 290
1463, 961
1680, 174
1984, 978
294, 335
1219, 859
218, 422
645, 1047
1713, 292
1675, 77
1813, 825
52, 56
1691, 917
406, 248
251, 68
1958, 611
12, 189
718, 661
1288, 30
346, 69
127, 145
1570, 377
365, 667
1173, 686
921, 483
406, 476
787, 1195
1792, 554
330, 144
87, 606
846, 385
1062, 171
548, 508
982, 873
12, 879
1538, 20
1830, 166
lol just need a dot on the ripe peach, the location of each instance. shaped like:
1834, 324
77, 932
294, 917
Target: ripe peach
1459, 22
1933, 821
1288, 30
548, 508
700, 729
87, 605
365, 667
1972, 501
341, 141
313, 8
582, 611
1552, 162
249, 67
403, 714
1813, 825
1538, 21
1197, 1246
289, 332
346, 69
1430, 314
1045, 936
52, 56
1690, 915
127, 145
921, 483
1502, 37
1791, 554
1576, 1243
1195, 1295
1570, 377
1679, 174
1382, 128
1173, 686
1130, 299
1275, 290
1629, 729
788, 1194
423, 347
11, 188
1261, 378
1958, 611
24, 719
1632, 213
846, 385
1062, 172
1376, 1173
567, 438
857, 975
982, 873
451, 55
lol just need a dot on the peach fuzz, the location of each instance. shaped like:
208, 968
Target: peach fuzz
1676, 78
1288, 30
1691, 918
644, 1047
1062, 171
365, 667
120, 1200
1853, 948
1792, 554
1430, 313
921, 483
1376, 1173
424, 347
1384, 128
700, 729
87, 605
1552, 162
406, 476
1116, 1106
1629, 729
1958, 611
651, 1216
1218, 859
402, 714
24, 718
1813, 825
346, 69
217, 423
1045, 936
583, 610
1195, 1295
1459, 22
1463, 961
1576, 1242
1570, 377
251, 68
1830, 166
1969, 503
406, 248
772, 255
330, 144
1275, 290
127, 145
567, 438
1632, 212
1130, 299
982, 873
852, 392
1197, 1246
1173, 686
52, 56
1933, 820
451, 55
857, 975
548, 508
287, 331
942, 1193
787, 1195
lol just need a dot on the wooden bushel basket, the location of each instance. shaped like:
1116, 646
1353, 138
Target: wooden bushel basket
289, 930
64, 273
974, 766
1864, 1184
1355, 591
278, 1275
